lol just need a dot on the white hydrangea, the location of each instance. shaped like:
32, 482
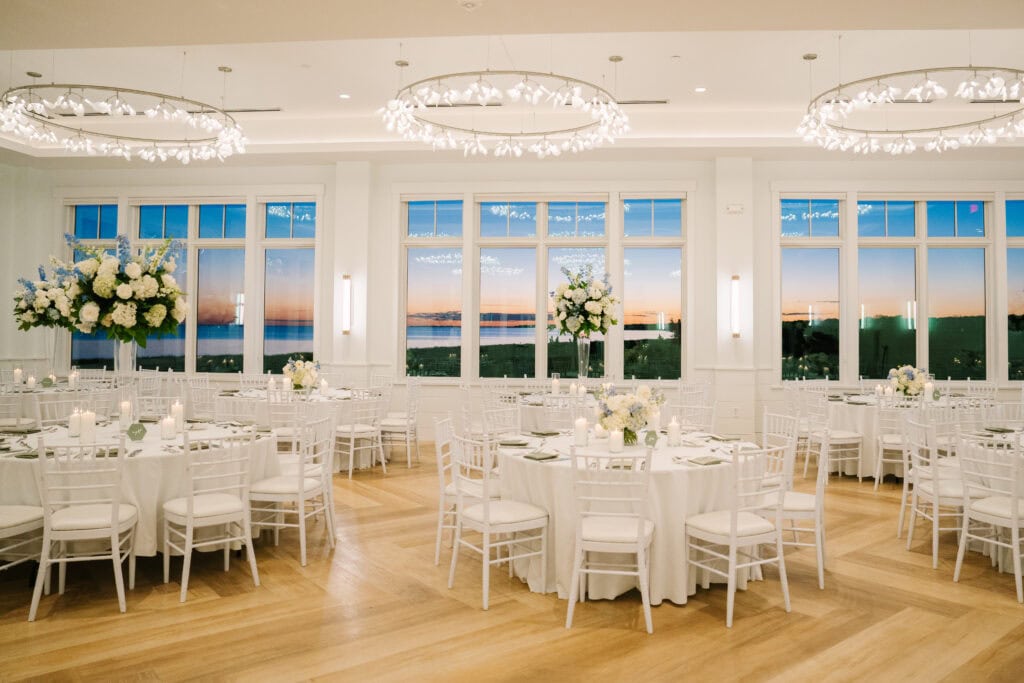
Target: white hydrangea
104, 285
562, 289
124, 291
169, 282
109, 267
180, 309
145, 287
107, 320
572, 324
593, 307
579, 296
88, 267
124, 314
133, 270
170, 266
155, 315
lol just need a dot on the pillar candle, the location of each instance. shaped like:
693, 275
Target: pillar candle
582, 389
554, 386
323, 386
580, 431
878, 390
75, 423
573, 389
600, 432
124, 417
674, 432
31, 382
17, 375
929, 391
178, 414
88, 428
615, 442
167, 428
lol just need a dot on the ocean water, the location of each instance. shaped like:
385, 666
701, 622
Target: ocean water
426, 336
212, 340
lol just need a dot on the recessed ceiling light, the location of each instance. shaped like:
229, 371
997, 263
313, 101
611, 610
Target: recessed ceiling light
700, 89
344, 96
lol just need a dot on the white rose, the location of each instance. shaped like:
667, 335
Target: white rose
180, 309
170, 266
572, 324
579, 296
562, 316
124, 291
133, 270
595, 320
594, 292
155, 315
593, 307
90, 313
561, 289
168, 281
124, 314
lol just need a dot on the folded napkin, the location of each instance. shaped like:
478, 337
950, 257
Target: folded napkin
544, 433
705, 460
540, 455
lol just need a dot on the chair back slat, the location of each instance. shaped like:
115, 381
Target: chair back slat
474, 462
612, 485
80, 474
991, 467
218, 465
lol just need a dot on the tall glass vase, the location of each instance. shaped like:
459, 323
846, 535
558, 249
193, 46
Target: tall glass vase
582, 356
50, 339
125, 354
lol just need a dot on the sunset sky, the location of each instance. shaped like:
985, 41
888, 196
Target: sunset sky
810, 277
652, 285
289, 287
886, 281
221, 279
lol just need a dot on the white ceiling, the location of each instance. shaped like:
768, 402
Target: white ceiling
757, 82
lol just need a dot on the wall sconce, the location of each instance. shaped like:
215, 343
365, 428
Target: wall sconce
346, 304
734, 306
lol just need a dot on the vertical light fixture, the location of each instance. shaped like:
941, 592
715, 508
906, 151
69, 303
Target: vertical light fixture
346, 304
734, 306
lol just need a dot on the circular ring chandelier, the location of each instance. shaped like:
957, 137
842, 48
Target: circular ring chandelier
828, 118
68, 115
413, 113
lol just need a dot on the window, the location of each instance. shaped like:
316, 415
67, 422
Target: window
956, 313
95, 221
885, 219
218, 221
810, 313
508, 312
888, 309
290, 220
515, 254
93, 351
159, 221
1015, 311
433, 317
220, 305
1015, 218
810, 217
442, 218
652, 312
956, 219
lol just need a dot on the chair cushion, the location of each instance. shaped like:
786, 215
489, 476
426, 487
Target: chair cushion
290, 469
795, 501
505, 512
358, 428
474, 490
16, 421
398, 415
613, 529
747, 523
16, 515
948, 488
206, 505
892, 440
285, 432
283, 485
997, 506
395, 424
836, 435
95, 516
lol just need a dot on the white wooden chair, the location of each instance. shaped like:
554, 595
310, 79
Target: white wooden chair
400, 429
56, 411
80, 487
217, 472
753, 519
19, 413
20, 530
560, 412
153, 408
889, 444
993, 503
305, 487
200, 403
444, 431
610, 491
523, 526
780, 430
937, 492
844, 445
358, 431
694, 418
1007, 415
252, 381
799, 509
501, 422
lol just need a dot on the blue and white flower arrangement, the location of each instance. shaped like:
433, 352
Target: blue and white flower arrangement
629, 412
908, 380
583, 305
302, 373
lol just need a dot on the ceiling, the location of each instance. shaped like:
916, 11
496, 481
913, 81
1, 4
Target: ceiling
299, 56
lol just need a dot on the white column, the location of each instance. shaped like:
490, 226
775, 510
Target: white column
346, 248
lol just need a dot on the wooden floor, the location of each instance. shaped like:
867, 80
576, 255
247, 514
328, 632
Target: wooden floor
377, 609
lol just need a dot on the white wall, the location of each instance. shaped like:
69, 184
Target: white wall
360, 221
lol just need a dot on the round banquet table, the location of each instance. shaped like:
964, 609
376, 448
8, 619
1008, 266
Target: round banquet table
252, 403
677, 489
531, 411
153, 474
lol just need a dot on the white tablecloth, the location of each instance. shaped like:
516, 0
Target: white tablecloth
676, 491
150, 477
531, 411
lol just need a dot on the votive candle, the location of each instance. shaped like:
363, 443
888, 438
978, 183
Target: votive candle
75, 423
124, 417
615, 441
167, 428
580, 431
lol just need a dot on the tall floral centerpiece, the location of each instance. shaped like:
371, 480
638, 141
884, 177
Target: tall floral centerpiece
130, 296
629, 412
302, 373
583, 306
908, 380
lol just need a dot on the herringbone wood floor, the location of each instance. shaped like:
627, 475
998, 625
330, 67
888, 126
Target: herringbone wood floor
377, 609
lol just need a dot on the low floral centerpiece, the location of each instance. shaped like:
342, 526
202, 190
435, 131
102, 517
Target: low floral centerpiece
583, 306
302, 373
908, 380
627, 411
